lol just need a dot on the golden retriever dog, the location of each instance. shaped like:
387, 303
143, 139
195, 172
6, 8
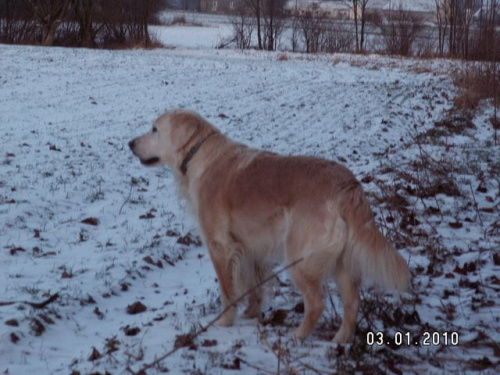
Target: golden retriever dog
253, 205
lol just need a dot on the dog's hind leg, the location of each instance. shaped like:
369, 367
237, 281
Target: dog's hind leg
253, 308
231, 265
310, 286
254, 275
349, 292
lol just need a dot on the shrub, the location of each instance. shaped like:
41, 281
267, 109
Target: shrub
477, 82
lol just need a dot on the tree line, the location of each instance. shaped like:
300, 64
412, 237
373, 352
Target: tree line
468, 28
461, 28
83, 23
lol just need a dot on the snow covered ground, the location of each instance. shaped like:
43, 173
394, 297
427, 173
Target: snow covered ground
108, 250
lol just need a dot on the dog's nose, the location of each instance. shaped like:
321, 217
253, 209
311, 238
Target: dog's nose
131, 144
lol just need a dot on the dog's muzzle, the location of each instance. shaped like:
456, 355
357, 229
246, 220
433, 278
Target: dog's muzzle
149, 161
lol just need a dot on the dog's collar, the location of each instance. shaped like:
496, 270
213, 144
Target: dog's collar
192, 152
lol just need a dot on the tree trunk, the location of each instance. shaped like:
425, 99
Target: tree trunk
83, 10
145, 18
363, 23
270, 37
48, 33
257, 16
362, 38
49, 14
355, 10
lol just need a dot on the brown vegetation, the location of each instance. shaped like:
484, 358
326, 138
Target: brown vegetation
477, 82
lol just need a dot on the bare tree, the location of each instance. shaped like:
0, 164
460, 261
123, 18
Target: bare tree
362, 9
452, 20
442, 23
269, 22
355, 9
294, 38
273, 23
337, 38
16, 23
126, 22
84, 13
460, 14
243, 27
49, 15
359, 13
255, 6
312, 31
149, 8
463, 25
486, 43
466, 23
322, 34
88, 23
399, 31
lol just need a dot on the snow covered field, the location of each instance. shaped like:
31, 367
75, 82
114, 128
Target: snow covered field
109, 251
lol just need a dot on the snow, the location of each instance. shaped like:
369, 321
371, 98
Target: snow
66, 117
190, 35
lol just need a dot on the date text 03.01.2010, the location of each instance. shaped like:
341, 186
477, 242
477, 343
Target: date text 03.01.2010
409, 339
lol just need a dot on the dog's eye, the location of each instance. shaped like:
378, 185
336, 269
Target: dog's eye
155, 130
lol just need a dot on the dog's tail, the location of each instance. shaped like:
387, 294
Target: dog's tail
368, 255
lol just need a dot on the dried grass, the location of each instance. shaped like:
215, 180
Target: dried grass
475, 83
282, 57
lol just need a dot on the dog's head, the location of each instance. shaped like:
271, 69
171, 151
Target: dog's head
171, 139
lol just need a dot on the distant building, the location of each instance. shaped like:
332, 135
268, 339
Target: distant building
343, 9
335, 9
219, 6
426, 9
190, 5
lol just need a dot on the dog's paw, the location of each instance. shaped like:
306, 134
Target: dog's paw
297, 335
250, 313
224, 321
343, 337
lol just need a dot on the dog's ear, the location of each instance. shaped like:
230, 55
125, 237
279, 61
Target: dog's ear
185, 129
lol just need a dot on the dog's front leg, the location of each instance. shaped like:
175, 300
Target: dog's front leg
224, 268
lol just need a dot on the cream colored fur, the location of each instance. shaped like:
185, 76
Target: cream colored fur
253, 205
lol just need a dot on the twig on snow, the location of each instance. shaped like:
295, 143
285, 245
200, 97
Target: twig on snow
126, 200
476, 206
35, 305
277, 351
191, 337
